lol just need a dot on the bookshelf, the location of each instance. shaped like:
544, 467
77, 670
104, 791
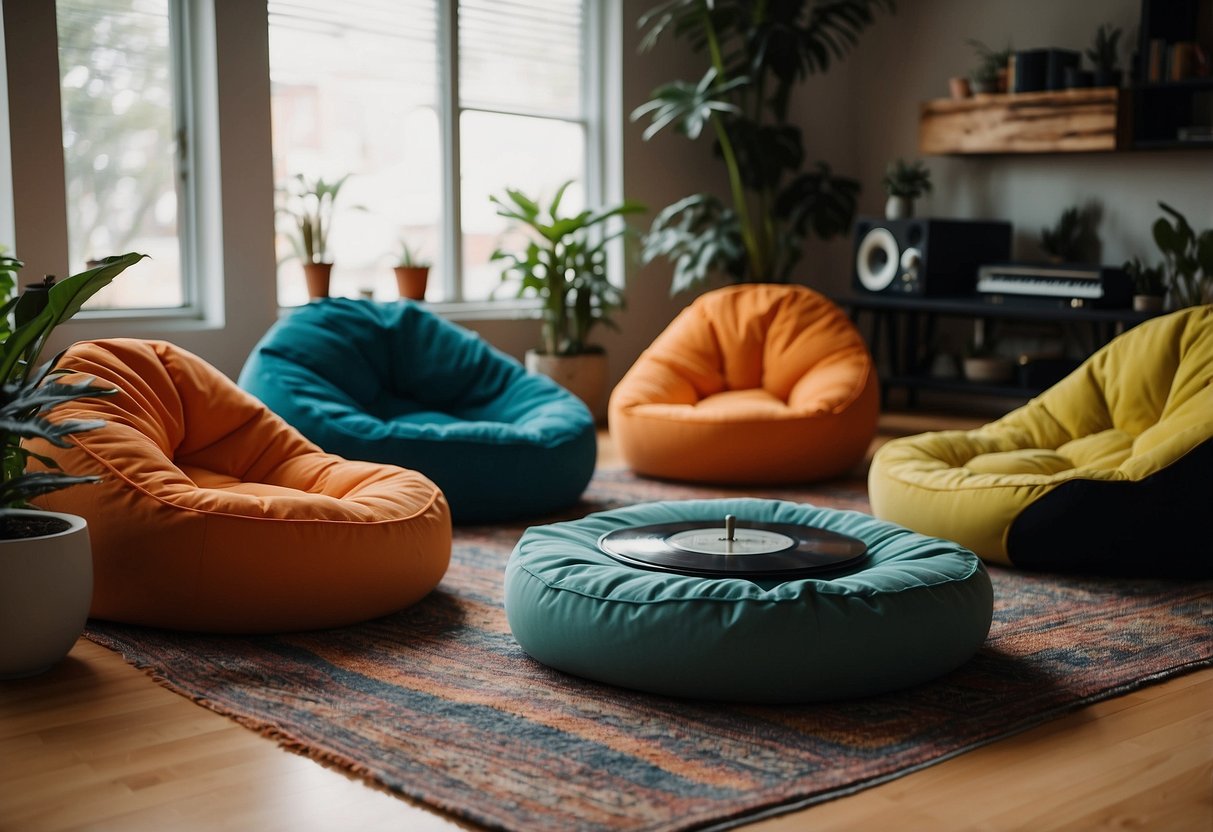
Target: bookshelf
1172, 97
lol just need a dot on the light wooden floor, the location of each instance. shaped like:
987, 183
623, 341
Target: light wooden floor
97, 745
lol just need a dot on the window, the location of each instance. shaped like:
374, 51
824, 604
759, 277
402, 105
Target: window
121, 121
370, 89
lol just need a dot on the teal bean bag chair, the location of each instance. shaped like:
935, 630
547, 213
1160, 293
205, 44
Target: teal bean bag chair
395, 383
915, 608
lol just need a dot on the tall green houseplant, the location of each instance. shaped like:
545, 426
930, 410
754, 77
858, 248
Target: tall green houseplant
758, 51
564, 265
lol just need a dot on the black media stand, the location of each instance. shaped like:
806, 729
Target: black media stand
905, 327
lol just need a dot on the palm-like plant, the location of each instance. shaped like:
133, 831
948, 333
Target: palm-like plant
28, 391
907, 179
564, 264
1103, 52
757, 53
309, 204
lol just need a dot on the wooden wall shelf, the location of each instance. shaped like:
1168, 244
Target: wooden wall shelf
1068, 121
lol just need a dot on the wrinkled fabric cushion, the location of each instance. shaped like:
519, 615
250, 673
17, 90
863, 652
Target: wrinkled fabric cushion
757, 383
212, 514
1106, 472
395, 383
915, 608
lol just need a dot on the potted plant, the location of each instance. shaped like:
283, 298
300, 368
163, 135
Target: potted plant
46, 577
564, 265
1149, 287
1187, 258
990, 75
757, 53
412, 273
1071, 237
1104, 57
309, 203
904, 182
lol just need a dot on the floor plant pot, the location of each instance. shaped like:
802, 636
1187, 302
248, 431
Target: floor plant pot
583, 375
412, 280
46, 587
318, 276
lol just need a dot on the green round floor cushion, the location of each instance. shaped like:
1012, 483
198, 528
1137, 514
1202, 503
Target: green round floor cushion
395, 383
915, 608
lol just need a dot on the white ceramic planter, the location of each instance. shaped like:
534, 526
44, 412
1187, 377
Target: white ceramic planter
585, 376
46, 587
898, 208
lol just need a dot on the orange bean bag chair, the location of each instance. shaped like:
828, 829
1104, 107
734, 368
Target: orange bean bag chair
212, 514
756, 383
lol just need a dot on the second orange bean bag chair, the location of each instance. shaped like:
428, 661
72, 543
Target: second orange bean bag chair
212, 514
756, 383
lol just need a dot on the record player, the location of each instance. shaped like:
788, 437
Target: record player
734, 548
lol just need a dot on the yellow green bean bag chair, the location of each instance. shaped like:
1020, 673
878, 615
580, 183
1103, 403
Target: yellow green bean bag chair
1110, 471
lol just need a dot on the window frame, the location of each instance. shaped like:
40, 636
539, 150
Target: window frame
233, 288
596, 35
191, 212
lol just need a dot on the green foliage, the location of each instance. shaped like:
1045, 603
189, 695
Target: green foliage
757, 53
907, 179
1147, 280
410, 258
563, 264
1103, 51
1187, 258
1073, 238
9, 266
309, 205
989, 61
28, 392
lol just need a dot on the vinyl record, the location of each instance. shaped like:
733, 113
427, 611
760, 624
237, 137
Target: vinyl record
734, 548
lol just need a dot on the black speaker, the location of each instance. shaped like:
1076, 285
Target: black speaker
926, 256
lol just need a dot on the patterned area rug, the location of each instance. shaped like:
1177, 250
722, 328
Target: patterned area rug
439, 703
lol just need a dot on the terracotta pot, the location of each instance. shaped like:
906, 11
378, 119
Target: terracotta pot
959, 87
584, 375
46, 588
412, 280
318, 276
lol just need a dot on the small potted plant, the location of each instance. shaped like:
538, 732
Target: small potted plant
1187, 258
1104, 57
46, 568
1065, 240
904, 182
309, 204
412, 272
990, 75
1149, 287
564, 265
